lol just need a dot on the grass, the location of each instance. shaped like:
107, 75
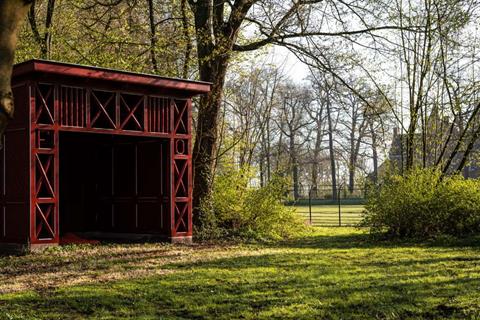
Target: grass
332, 273
327, 215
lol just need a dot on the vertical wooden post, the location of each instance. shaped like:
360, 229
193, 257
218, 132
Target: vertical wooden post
44, 140
171, 159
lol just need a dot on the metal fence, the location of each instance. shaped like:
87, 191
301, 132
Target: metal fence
321, 206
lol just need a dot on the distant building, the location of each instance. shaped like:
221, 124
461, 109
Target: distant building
435, 138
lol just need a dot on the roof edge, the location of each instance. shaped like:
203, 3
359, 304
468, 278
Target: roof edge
106, 74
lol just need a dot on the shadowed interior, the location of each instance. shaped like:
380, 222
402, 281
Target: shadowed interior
113, 184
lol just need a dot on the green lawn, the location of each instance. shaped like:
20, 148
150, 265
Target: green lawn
333, 273
327, 215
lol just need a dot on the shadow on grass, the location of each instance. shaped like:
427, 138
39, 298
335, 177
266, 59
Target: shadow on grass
364, 240
270, 286
360, 281
33, 264
108, 259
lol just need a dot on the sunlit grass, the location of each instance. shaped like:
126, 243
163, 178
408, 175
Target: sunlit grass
333, 273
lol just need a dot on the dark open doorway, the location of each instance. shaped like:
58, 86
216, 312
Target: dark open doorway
113, 184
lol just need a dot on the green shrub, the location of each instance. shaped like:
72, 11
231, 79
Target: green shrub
243, 211
422, 204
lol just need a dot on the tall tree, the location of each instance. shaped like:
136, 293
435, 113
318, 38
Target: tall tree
296, 101
140, 36
333, 167
218, 35
44, 40
316, 114
218, 24
353, 121
12, 14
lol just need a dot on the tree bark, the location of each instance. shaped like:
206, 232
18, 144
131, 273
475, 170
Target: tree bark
374, 154
268, 152
153, 36
330, 147
353, 157
45, 40
294, 165
215, 39
316, 157
204, 150
186, 35
356, 141
12, 14
460, 141
471, 144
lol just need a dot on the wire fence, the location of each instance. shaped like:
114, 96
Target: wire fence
328, 206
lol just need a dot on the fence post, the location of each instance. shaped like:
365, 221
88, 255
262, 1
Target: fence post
339, 206
310, 204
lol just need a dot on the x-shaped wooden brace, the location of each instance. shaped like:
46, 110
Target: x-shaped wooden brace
44, 105
180, 216
180, 173
131, 113
44, 177
102, 110
179, 116
44, 221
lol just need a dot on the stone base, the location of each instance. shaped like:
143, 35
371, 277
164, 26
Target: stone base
181, 240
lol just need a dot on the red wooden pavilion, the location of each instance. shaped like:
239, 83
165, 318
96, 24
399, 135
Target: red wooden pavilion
96, 150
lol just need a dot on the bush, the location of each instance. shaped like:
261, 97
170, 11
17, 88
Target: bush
422, 204
242, 211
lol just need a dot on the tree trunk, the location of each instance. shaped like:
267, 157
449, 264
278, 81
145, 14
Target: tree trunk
12, 14
214, 40
411, 143
351, 175
374, 154
316, 155
264, 159
352, 158
186, 35
355, 150
279, 151
460, 141
204, 150
471, 144
153, 36
332, 153
45, 40
315, 166
268, 152
294, 166
262, 172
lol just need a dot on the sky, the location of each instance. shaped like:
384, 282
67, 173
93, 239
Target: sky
294, 68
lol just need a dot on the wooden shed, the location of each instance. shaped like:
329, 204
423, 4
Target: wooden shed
96, 150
